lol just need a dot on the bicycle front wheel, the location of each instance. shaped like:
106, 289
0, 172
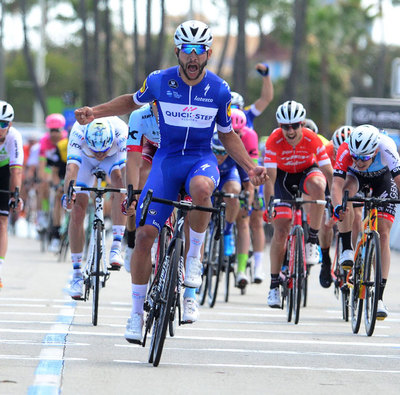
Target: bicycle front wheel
356, 303
167, 296
298, 272
372, 282
95, 274
215, 262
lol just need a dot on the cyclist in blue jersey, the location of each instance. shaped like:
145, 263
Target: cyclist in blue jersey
190, 101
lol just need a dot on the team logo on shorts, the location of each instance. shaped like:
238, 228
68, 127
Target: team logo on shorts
173, 84
152, 212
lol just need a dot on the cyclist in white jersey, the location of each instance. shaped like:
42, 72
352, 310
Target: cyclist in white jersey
370, 158
101, 144
11, 161
190, 101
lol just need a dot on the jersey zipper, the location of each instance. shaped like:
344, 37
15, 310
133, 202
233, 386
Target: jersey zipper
188, 128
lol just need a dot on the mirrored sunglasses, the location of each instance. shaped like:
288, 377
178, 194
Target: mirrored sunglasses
364, 158
287, 126
219, 152
4, 124
189, 48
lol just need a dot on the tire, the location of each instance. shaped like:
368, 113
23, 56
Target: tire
344, 292
228, 264
95, 274
298, 272
215, 263
372, 281
288, 287
304, 293
166, 302
356, 304
202, 292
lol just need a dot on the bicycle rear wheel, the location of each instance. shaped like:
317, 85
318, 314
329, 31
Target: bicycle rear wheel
167, 295
356, 303
298, 273
229, 262
372, 281
215, 262
95, 274
202, 291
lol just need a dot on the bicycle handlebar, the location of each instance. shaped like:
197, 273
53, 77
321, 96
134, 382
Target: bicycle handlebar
103, 190
374, 201
299, 200
183, 204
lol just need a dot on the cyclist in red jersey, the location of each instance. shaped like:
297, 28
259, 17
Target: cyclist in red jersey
294, 155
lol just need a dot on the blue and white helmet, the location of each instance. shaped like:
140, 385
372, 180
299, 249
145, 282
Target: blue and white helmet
364, 140
99, 135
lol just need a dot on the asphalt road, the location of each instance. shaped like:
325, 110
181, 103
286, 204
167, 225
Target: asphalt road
48, 345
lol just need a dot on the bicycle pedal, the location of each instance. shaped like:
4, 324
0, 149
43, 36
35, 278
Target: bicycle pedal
186, 322
114, 268
132, 341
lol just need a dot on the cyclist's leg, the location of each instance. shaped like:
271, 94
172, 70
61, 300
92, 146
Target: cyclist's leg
4, 211
353, 185
118, 220
386, 214
258, 239
230, 183
201, 181
243, 246
314, 185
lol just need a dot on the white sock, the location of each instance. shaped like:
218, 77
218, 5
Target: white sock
196, 241
258, 258
76, 259
118, 234
138, 296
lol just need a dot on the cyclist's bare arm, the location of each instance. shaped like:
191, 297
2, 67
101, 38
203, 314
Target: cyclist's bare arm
70, 174
267, 91
269, 185
327, 170
121, 105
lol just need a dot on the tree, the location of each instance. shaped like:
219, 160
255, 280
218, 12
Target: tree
240, 60
38, 89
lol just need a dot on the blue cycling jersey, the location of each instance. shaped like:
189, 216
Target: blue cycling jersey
187, 114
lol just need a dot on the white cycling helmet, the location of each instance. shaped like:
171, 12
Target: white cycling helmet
310, 124
364, 140
237, 100
340, 135
99, 135
290, 112
193, 32
6, 111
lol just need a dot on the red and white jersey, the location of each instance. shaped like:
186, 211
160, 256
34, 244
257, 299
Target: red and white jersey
280, 154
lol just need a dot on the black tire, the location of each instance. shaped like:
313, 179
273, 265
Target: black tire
356, 304
215, 263
298, 272
304, 294
372, 281
289, 303
202, 292
167, 299
228, 264
345, 296
96, 265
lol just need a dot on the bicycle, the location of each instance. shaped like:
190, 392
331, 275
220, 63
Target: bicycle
213, 256
364, 279
95, 271
294, 272
163, 296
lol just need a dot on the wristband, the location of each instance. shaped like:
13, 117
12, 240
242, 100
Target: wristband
265, 72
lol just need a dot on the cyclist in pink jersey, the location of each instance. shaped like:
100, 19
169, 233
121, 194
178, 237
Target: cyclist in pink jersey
48, 175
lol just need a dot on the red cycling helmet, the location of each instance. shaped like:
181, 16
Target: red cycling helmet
55, 121
238, 119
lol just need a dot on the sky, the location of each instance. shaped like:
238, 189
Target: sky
14, 39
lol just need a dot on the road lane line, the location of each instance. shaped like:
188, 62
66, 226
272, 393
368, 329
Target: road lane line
48, 373
241, 366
